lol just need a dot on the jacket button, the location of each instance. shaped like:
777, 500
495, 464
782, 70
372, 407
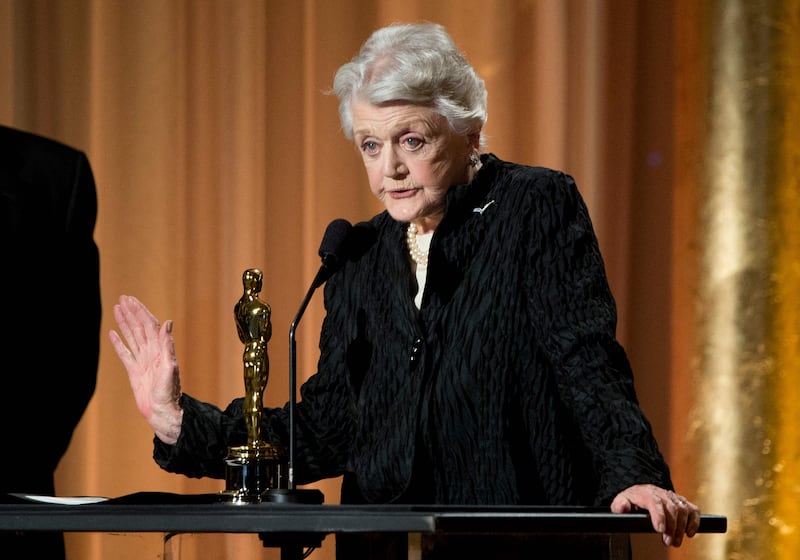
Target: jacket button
416, 350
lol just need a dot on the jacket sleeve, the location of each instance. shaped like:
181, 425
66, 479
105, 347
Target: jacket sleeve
206, 434
79, 269
593, 375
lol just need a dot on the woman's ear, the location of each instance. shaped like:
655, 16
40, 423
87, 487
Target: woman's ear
474, 139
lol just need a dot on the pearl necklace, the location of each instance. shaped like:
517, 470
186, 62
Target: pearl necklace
417, 255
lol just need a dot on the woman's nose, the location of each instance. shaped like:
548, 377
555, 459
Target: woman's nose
393, 164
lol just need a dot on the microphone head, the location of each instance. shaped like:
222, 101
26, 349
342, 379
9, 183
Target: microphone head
343, 242
334, 242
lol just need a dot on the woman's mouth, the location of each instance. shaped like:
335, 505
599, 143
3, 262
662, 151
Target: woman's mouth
402, 193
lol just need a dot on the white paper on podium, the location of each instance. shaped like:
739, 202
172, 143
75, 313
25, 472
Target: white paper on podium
62, 500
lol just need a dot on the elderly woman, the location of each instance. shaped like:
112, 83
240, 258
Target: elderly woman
468, 356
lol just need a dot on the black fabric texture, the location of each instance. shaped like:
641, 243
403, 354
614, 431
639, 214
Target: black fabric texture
508, 386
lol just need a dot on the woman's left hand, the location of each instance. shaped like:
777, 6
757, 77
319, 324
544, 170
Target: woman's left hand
672, 515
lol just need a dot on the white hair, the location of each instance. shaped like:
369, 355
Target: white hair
413, 63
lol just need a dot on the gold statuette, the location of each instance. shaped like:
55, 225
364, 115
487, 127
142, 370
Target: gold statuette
254, 327
254, 468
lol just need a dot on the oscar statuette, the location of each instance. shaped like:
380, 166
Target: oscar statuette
253, 469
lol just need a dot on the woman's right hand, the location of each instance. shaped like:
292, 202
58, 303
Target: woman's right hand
148, 354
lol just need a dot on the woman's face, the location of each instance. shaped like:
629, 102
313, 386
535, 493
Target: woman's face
412, 158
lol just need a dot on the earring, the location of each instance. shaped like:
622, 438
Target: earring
474, 160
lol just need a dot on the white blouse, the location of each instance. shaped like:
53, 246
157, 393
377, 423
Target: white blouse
421, 271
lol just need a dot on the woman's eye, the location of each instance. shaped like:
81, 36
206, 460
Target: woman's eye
412, 143
369, 147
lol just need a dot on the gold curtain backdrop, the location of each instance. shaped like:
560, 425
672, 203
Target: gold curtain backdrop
747, 356
215, 149
784, 343
733, 362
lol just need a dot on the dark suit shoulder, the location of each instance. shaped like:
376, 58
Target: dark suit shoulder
45, 185
20, 148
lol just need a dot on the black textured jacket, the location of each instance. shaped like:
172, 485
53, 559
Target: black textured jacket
507, 387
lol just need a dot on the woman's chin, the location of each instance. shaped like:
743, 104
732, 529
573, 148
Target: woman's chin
401, 212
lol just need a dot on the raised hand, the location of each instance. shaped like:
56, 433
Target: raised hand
148, 354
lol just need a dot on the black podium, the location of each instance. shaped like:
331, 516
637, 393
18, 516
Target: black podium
293, 527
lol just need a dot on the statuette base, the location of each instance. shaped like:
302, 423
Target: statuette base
252, 471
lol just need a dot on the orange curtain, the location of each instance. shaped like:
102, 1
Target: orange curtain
216, 149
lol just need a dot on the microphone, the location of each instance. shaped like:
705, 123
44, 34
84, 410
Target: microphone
333, 252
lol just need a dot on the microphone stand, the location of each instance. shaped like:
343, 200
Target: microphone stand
291, 494
330, 250
292, 546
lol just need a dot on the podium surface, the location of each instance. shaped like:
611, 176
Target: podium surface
194, 514
151, 513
